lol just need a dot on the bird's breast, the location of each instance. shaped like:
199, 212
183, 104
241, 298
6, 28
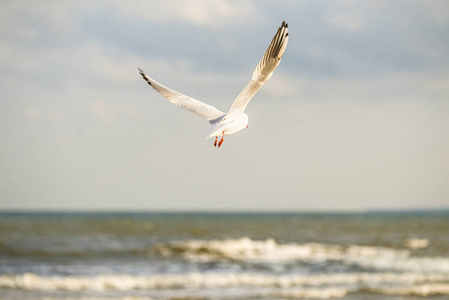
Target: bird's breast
231, 124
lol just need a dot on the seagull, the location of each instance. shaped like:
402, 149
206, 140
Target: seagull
234, 120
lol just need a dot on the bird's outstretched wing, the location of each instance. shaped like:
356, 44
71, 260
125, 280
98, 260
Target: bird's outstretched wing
264, 69
206, 111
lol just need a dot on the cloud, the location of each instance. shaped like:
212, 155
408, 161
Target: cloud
109, 113
52, 115
32, 114
103, 112
55, 115
282, 85
40, 23
347, 22
194, 12
437, 10
354, 116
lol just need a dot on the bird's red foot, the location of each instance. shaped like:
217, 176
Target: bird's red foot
221, 141
215, 144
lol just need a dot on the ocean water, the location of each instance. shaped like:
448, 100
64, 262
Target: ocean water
224, 256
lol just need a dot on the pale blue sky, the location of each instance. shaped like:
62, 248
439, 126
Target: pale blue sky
355, 117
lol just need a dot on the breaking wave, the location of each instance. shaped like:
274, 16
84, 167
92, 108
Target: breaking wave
270, 251
380, 270
299, 286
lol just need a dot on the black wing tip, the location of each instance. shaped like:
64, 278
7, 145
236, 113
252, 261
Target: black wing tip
279, 39
141, 72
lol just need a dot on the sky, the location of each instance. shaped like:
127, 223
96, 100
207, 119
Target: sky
355, 118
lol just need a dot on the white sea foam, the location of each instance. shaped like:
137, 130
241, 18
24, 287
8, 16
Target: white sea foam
95, 298
415, 243
249, 250
303, 293
269, 251
422, 290
322, 293
216, 280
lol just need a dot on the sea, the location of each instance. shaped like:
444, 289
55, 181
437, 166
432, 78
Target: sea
374, 255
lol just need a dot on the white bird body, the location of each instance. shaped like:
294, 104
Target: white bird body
235, 119
233, 122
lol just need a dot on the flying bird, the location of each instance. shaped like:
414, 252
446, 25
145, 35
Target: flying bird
235, 119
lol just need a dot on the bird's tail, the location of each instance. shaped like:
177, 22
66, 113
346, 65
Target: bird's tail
208, 134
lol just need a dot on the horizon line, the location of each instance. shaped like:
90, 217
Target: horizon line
221, 211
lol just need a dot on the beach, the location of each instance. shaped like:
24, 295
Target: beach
402, 255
